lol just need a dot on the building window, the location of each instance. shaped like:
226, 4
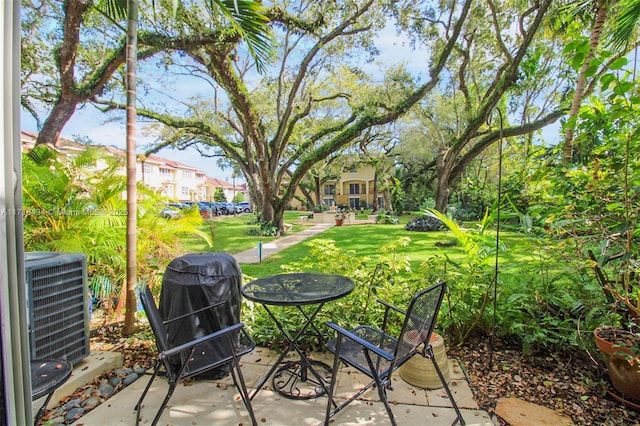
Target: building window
354, 188
146, 168
165, 172
329, 190
186, 174
184, 191
200, 176
353, 169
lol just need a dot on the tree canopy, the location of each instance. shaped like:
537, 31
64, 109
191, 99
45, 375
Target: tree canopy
496, 70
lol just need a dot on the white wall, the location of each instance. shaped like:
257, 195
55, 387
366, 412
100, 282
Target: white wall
13, 306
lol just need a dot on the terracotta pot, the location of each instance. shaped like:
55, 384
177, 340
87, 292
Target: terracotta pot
339, 222
625, 375
419, 371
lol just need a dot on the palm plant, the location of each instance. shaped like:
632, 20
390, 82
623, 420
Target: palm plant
72, 206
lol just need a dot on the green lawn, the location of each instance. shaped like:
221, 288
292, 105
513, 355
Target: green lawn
230, 235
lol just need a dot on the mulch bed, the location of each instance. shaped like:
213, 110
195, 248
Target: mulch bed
571, 384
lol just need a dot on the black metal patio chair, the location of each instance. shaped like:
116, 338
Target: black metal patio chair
377, 354
231, 342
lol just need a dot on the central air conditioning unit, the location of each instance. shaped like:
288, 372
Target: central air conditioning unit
57, 305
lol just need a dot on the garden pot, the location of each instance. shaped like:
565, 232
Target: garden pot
624, 373
420, 372
339, 222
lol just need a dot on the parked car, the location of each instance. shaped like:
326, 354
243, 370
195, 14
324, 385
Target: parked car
219, 208
171, 210
243, 206
231, 208
207, 209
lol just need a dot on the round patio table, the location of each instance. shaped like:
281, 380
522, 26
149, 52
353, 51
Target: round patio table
291, 378
47, 375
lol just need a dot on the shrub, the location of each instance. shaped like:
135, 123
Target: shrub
425, 224
387, 218
264, 229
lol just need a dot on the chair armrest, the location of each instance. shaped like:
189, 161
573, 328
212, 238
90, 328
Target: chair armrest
390, 306
187, 315
188, 345
349, 335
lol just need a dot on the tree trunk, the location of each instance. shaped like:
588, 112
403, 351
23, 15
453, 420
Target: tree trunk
596, 33
52, 127
442, 196
132, 36
318, 184
308, 197
444, 165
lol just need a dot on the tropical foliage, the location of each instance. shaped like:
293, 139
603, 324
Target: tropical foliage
77, 205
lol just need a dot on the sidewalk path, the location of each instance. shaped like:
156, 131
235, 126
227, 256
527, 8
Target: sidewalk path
251, 255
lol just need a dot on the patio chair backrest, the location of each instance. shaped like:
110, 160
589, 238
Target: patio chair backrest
153, 315
419, 322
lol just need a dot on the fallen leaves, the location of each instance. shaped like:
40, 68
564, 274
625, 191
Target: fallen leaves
566, 383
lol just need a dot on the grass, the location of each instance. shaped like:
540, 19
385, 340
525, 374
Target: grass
365, 240
230, 235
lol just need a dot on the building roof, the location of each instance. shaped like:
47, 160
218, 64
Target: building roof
66, 145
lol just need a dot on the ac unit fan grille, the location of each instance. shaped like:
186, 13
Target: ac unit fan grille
58, 310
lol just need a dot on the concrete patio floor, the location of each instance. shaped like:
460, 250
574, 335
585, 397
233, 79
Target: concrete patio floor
207, 402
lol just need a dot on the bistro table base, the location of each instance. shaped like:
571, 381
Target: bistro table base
305, 378
294, 380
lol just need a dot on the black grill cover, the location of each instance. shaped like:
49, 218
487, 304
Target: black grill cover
195, 281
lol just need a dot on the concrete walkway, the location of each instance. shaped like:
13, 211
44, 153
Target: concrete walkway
252, 255
209, 402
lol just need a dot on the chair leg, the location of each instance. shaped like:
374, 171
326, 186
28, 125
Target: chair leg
138, 406
332, 385
382, 387
446, 388
353, 397
172, 387
242, 388
42, 409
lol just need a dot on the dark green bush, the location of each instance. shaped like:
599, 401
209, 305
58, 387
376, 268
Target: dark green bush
425, 224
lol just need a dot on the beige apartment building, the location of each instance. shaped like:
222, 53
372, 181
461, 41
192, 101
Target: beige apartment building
354, 189
171, 179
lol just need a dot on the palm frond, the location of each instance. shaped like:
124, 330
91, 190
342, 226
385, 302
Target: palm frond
114, 9
41, 154
246, 17
626, 22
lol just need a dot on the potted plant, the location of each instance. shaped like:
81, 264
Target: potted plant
340, 216
620, 349
620, 342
